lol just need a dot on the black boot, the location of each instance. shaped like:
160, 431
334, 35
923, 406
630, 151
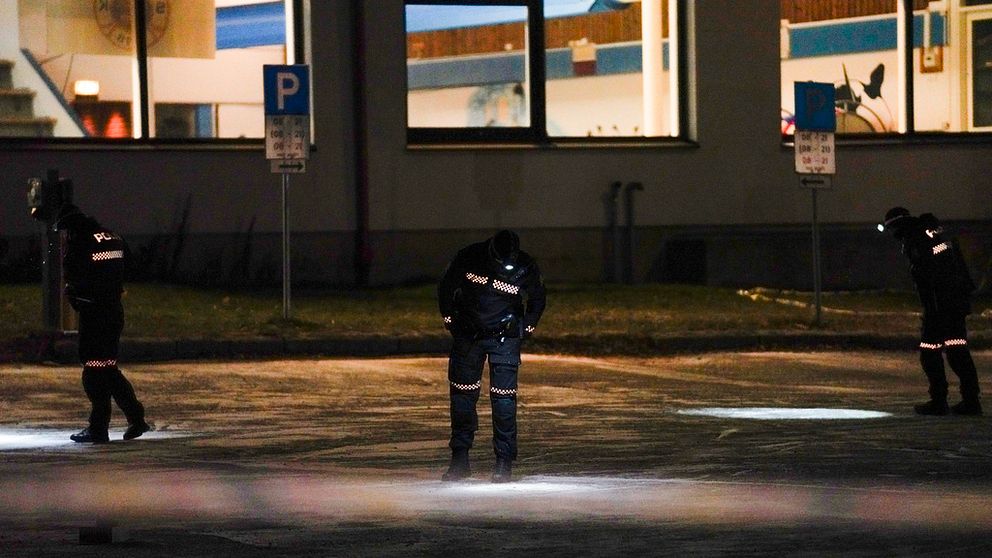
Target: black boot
135, 430
502, 471
459, 468
87, 436
969, 407
932, 407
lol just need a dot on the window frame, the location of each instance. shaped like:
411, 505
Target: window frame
536, 134
909, 135
145, 142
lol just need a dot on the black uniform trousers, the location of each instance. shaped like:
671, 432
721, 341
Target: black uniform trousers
100, 326
468, 356
946, 334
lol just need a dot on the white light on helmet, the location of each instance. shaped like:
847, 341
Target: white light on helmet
508, 267
881, 227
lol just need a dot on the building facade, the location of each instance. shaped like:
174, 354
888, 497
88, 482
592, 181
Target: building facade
393, 186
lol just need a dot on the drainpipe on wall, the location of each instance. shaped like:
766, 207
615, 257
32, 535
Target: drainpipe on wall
611, 264
628, 271
363, 251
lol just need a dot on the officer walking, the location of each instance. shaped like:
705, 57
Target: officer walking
93, 266
944, 285
481, 298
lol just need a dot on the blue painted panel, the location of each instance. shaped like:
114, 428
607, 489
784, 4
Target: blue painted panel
559, 63
507, 68
859, 36
251, 25
845, 38
204, 117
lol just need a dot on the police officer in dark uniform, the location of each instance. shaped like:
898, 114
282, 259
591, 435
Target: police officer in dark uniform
945, 286
482, 303
93, 267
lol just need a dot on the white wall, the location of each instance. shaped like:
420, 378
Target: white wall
576, 107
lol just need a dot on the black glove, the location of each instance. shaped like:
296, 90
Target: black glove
449, 324
528, 331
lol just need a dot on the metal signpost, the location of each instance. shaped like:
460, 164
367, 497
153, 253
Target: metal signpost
816, 122
287, 140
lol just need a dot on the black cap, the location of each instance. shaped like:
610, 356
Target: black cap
504, 247
894, 218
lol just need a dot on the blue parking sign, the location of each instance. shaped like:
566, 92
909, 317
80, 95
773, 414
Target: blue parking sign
815, 106
287, 89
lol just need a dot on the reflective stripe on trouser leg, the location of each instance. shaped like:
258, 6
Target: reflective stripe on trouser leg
123, 394
96, 386
503, 397
464, 379
932, 361
959, 357
504, 362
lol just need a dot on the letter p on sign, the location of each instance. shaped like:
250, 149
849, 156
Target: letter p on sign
287, 85
287, 89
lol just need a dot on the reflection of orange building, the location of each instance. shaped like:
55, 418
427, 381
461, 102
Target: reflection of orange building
600, 28
803, 11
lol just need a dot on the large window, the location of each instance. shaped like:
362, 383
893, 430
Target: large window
534, 71
898, 66
79, 68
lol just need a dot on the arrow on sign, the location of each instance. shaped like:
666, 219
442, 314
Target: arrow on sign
285, 166
818, 181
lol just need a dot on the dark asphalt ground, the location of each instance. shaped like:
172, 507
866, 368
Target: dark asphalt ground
341, 457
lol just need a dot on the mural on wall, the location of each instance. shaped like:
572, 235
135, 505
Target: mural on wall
502, 105
860, 106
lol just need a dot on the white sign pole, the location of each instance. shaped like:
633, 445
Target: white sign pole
286, 283
287, 142
817, 280
815, 160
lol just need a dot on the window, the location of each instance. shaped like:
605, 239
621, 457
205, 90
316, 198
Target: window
77, 71
533, 71
898, 66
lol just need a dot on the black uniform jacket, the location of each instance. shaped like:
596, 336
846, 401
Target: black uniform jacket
940, 273
93, 262
478, 296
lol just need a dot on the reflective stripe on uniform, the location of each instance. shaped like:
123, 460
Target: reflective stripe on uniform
530, 329
100, 363
956, 342
499, 391
476, 278
940, 248
447, 319
467, 387
111, 255
505, 287
931, 346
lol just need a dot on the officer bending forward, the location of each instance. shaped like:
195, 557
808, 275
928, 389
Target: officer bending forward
93, 265
481, 298
944, 285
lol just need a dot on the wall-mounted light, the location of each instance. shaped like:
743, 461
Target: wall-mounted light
89, 88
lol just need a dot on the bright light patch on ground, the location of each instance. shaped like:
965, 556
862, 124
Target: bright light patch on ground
780, 413
536, 485
23, 438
